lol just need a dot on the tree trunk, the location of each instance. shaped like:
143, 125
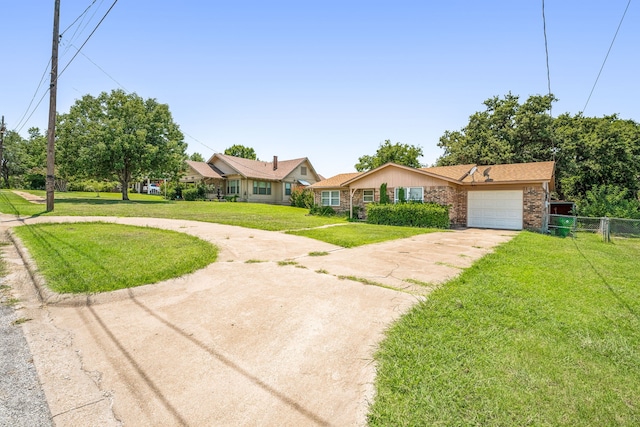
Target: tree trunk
125, 190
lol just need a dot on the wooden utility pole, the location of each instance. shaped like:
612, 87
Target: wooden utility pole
3, 129
51, 134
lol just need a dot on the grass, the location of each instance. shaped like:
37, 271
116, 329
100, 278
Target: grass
358, 234
544, 332
100, 257
250, 215
318, 253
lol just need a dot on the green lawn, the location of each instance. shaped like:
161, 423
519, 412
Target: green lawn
250, 215
100, 257
358, 234
543, 332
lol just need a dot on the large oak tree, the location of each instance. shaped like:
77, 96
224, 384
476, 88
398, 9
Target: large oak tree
119, 136
589, 152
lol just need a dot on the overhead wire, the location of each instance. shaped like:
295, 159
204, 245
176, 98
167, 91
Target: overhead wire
606, 56
20, 123
546, 51
87, 39
23, 121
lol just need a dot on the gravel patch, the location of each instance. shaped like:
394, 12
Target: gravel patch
22, 401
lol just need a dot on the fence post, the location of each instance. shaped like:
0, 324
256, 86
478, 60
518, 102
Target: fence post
605, 228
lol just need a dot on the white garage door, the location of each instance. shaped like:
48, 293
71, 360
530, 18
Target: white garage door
495, 209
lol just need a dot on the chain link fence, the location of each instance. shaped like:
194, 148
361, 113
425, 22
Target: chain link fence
567, 225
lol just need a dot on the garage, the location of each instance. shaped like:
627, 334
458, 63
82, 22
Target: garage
495, 209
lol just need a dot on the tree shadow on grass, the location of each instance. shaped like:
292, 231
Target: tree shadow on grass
110, 202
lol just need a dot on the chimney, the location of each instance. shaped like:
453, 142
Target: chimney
275, 162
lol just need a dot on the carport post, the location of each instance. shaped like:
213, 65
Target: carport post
352, 191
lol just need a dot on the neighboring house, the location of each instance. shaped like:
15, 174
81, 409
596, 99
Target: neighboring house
511, 196
253, 180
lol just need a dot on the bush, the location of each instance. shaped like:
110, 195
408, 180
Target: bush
35, 181
322, 210
301, 198
409, 214
192, 194
91, 185
384, 196
610, 201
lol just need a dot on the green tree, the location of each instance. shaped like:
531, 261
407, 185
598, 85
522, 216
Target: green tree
402, 154
505, 132
196, 157
596, 151
238, 150
119, 136
588, 151
609, 200
14, 159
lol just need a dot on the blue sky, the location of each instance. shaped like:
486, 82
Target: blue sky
328, 80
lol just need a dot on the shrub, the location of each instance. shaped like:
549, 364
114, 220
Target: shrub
91, 185
322, 210
192, 194
301, 198
384, 196
409, 214
611, 201
35, 181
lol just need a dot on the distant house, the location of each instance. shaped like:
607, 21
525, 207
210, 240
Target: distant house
252, 180
511, 196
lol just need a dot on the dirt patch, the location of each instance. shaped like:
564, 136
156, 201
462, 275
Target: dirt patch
31, 197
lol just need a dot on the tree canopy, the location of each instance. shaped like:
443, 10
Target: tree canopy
238, 150
402, 154
119, 136
589, 152
24, 160
196, 157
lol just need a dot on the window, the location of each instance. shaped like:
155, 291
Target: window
411, 194
287, 188
303, 170
233, 186
330, 198
367, 196
262, 187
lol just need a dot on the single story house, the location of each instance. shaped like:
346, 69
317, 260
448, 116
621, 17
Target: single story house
252, 180
509, 196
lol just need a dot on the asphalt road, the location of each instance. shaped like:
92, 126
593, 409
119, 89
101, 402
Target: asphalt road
22, 401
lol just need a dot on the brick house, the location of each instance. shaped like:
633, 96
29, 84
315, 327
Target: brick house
511, 196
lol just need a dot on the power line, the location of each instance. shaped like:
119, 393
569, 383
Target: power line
79, 16
99, 67
87, 39
21, 124
26, 111
607, 56
546, 51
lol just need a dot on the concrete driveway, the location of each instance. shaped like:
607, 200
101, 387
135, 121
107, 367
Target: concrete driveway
235, 343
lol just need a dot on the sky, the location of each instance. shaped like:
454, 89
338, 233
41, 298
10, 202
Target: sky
327, 80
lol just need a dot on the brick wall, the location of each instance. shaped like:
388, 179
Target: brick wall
456, 199
533, 208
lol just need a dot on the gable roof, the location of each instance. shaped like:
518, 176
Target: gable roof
460, 174
337, 180
257, 169
205, 169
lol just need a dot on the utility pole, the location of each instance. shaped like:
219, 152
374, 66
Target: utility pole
3, 129
51, 133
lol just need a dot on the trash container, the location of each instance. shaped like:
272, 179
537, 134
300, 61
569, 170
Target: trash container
565, 225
